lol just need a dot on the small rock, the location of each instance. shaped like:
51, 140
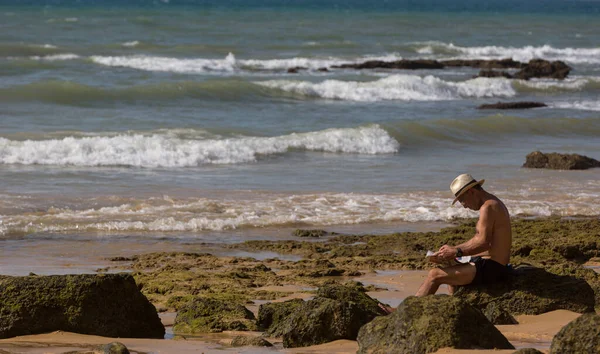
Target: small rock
242, 341
115, 348
557, 161
512, 105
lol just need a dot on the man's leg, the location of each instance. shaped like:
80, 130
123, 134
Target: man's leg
461, 274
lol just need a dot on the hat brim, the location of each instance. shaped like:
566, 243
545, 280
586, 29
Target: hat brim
466, 188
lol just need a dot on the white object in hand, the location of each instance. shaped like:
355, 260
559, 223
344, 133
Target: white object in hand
429, 253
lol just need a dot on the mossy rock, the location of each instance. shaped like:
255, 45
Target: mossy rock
115, 348
109, 305
243, 341
498, 315
337, 312
575, 270
425, 324
271, 316
205, 315
581, 335
532, 291
528, 351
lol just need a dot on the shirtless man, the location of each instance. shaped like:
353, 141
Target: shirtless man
491, 243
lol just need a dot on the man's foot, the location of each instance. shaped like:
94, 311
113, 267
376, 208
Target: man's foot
387, 309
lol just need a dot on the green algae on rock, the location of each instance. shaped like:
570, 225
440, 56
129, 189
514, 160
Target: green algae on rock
204, 315
531, 291
271, 316
107, 305
242, 341
425, 324
581, 335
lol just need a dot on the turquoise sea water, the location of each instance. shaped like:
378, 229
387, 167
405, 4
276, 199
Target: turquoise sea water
172, 117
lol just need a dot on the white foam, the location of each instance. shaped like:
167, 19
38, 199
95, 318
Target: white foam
55, 57
523, 54
197, 214
579, 105
165, 150
130, 44
166, 64
397, 87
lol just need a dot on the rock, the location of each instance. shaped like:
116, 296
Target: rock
557, 161
323, 69
242, 341
577, 271
109, 305
425, 324
485, 64
528, 351
337, 312
398, 64
494, 73
309, 233
295, 69
512, 105
531, 291
540, 68
498, 315
581, 335
211, 315
115, 348
271, 316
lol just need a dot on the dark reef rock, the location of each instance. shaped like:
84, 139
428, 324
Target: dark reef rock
115, 348
108, 305
581, 335
337, 312
211, 315
540, 68
425, 324
485, 64
528, 351
494, 73
271, 316
398, 64
512, 105
531, 291
557, 161
309, 233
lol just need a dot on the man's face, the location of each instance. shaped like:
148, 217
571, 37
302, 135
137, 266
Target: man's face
466, 200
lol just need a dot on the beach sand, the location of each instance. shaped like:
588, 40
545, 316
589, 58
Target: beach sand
531, 332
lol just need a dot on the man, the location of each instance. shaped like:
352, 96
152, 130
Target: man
491, 243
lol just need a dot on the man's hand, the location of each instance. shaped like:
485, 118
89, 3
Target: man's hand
446, 252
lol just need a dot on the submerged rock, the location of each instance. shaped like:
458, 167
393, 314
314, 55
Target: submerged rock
109, 305
425, 324
531, 291
512, 105
210, 315
581, 335
540, 68
557, 161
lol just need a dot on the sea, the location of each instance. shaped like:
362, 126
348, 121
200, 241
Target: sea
180, 121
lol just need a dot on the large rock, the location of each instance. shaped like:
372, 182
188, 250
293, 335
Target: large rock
581, 335
108, 305
512, 105
557, 161
531, 291
272, 315
337, 312
540, 68
205, 315
425, 324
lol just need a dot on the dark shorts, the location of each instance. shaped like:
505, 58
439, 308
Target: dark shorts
489, 271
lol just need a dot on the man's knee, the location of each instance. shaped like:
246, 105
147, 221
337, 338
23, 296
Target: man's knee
436, 275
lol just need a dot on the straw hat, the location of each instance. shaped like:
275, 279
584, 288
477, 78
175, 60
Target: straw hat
463, 183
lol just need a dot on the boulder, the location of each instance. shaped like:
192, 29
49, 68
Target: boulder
207, 315
337, 312
271, 316
109, 305
528, 351
540, 68
512, 105
557, 161
425, 324
243, 341
494, 73
581, 335
115, 348
531, 291
498, 315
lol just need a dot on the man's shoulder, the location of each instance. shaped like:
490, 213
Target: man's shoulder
492, 205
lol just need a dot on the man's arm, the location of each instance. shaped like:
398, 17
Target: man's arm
482, 240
